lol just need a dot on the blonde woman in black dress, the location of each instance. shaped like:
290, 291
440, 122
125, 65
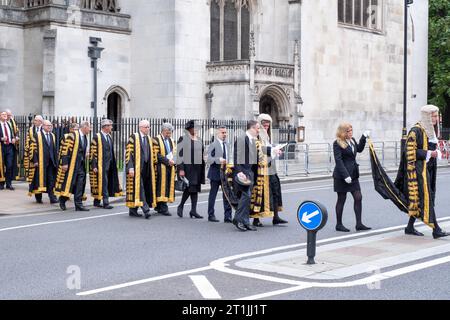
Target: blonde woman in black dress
346, 173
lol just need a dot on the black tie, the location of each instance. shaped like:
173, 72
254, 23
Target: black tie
84, 143
224, 150
145, 145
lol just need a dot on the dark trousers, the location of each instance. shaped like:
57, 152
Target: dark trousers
50, 179
146, 190
215, 185
242, 214
8, 161
80, 185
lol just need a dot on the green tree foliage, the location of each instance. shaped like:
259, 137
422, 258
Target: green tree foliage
439, 54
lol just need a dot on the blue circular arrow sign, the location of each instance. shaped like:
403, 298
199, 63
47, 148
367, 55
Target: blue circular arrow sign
312, 215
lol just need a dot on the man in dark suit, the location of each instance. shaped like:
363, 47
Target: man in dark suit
7, 141
46, 145
217, 157
245, 169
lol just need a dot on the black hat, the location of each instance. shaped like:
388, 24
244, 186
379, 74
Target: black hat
190, 125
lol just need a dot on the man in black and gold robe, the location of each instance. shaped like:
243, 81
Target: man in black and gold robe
140, 168
165, 149
417, 174
42, 173
31, 133
16, 131
71, 178
104, 176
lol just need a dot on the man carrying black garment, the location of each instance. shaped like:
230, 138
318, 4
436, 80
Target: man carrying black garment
245, 169
218, 153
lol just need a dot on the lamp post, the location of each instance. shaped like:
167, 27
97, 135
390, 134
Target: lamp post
405, 74
95, 53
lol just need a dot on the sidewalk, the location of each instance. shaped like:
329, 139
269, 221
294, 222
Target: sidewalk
20, 203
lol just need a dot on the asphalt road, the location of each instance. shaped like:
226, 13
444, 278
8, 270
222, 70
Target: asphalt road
99, 254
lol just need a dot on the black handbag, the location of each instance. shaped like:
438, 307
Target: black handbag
180, 185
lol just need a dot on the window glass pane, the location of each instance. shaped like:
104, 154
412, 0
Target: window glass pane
374, 12
341, 10
366, 10
349, 11
245, 33
215, 31
357, 14
230, 30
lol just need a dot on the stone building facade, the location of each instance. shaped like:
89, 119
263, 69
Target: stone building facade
310, 63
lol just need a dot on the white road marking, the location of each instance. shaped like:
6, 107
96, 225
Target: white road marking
360, 282
222, 264
205, 287
134, 283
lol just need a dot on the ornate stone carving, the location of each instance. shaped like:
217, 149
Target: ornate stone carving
282, 72
101, 5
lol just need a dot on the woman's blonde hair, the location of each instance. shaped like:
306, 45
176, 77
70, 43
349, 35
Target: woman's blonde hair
341, 134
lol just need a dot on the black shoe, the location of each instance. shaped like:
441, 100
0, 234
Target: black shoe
250, 228
278, 221
53, 201
180, 212
10, 188
62, 205
362, 227
39, 201
213, 219
107, 207
165, 213
135, 215
257, 223
413, 232
195, 215
240, 226
81, 209
97, 203
341, 228
228, 221
2, 187
147, 214
440, 234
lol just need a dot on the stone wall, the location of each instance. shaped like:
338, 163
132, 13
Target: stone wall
11, 69
352, 75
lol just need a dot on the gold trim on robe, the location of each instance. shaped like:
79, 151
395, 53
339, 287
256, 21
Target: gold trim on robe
260, 206
70, 145
133, 192
161, 192
36, 147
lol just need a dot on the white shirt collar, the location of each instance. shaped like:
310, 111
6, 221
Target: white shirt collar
250, 137
143, 135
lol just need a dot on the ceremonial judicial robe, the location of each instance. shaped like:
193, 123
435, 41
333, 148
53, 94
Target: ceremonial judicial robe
100, 153
69, 155
31, 132
137, 187
165, 174
417, 178
15, 130
41, 153
262, 201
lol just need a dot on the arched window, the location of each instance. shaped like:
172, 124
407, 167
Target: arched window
230, 29
114, 108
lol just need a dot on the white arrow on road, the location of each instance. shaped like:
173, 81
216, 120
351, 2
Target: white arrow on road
306, 218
